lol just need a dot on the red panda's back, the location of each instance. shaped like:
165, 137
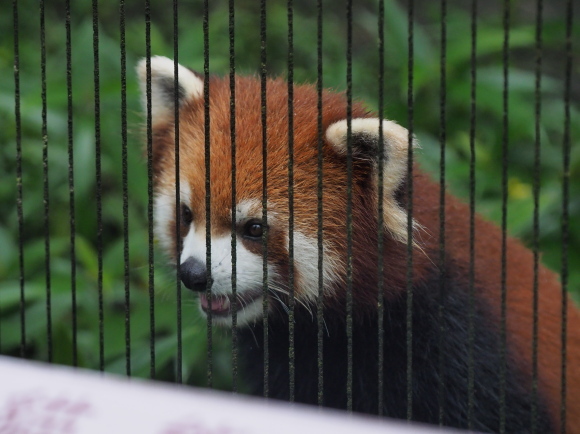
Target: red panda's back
519, 286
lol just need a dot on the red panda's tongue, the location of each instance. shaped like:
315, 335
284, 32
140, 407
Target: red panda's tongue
218, 304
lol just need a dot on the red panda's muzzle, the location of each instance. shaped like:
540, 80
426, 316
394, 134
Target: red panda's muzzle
217, 304
223, 305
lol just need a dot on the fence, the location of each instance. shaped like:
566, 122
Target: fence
486, 88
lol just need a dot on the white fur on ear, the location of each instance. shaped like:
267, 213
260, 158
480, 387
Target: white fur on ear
190, 86
365, 140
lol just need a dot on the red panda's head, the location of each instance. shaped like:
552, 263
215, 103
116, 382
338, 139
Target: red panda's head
247, 205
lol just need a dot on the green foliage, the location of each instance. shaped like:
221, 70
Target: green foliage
118, 281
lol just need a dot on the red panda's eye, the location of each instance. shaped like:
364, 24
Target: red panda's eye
186, 215
253, 229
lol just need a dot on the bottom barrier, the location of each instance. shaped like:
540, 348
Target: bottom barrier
51, 399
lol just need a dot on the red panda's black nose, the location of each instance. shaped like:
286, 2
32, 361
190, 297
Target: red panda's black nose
192, 273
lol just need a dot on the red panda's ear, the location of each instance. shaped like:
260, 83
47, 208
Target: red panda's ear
365, 134
190, 86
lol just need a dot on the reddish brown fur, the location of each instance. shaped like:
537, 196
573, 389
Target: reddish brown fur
519, 295
249, 159
426, 206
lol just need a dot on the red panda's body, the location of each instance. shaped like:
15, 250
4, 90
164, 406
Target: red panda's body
439, 392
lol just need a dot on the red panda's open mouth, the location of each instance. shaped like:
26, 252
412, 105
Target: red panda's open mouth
221, 305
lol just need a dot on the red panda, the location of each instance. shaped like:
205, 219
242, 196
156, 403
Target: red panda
489, 394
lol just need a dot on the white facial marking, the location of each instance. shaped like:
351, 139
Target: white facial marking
249, 208
185, 192
252, 208
249, 265
306, 261
164, 212
249, 271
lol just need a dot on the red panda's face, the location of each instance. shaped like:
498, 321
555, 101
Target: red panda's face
248, 245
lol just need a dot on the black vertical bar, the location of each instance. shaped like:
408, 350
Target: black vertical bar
207, 151
234, 196
442, 142
536, 224
150, 237
349, 204
72, 223
566, 148
95, 5
19, 177
472, 183
178, 244
319, 210
125, 187
264, 190
380, 217
45, 183
410, 67
505, 142
291, 355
